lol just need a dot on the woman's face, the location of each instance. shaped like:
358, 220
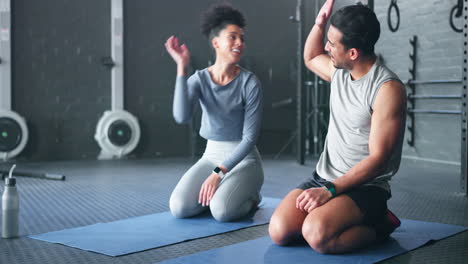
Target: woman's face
229, 44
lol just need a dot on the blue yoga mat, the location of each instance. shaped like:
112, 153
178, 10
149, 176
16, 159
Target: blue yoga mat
412, 234
151, 231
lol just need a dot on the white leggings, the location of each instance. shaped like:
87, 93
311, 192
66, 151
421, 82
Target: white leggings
237, 193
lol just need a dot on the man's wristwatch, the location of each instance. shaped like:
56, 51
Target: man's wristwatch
330, 187
219, 171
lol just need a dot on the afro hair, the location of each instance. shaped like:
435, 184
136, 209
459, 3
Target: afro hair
218, 16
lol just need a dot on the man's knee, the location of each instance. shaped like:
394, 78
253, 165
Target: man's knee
277, 231
316, 233
281, 229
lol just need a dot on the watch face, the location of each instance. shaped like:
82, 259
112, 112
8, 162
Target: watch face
217, 169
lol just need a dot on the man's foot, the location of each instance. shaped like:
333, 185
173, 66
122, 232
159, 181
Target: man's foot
389, 223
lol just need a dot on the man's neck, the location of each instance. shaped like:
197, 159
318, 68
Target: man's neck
362, 67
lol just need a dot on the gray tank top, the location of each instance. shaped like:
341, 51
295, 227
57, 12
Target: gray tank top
347, 141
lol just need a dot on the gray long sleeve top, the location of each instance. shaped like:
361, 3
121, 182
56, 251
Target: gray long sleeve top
229, 113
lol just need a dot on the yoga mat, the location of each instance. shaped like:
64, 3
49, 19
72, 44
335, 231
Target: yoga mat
411, 235
151, 231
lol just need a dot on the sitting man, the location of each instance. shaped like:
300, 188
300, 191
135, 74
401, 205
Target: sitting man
343, 206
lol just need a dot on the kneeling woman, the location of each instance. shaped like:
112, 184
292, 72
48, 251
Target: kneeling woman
229, 175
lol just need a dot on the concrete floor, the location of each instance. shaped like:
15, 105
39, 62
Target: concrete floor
104, 191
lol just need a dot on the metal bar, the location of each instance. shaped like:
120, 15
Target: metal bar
464, 142
424, 111
300, 88
411, 103
434, 96
5, 55
117, 48
281, 103
432, 81
316, 117
37, 175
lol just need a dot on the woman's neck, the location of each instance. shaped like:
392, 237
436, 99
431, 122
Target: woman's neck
222, 73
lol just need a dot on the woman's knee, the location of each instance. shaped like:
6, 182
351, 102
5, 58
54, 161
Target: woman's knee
221, 212
179, 207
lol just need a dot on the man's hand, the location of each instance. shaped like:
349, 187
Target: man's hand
325, 13
208, 189
312, 198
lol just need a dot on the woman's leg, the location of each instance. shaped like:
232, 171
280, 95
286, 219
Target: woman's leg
238, 192
184, 198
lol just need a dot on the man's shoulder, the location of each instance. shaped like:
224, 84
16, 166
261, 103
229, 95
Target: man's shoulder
386, 72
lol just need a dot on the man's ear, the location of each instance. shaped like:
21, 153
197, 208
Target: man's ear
353, 54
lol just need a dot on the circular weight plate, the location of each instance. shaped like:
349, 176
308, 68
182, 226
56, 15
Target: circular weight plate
119, 133
10, 134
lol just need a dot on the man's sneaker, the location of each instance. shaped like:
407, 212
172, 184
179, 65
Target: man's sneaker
389, 223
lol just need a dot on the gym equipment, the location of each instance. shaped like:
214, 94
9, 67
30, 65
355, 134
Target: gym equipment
45, 176
411, 235
152, 231
300, 98
411, 83
412, 86
464, 102
118, 131
13, 128
457, 12
393, 5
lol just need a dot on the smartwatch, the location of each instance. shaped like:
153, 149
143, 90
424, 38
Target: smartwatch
330, 187
219, 171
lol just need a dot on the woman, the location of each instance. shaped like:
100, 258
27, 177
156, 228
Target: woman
229, 175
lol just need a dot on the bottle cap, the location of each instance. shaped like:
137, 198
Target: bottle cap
10, 181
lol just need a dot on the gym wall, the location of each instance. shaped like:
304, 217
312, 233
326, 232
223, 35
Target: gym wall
62, 88
439, 57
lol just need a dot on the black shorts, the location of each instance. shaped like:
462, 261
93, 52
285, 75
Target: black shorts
372, 200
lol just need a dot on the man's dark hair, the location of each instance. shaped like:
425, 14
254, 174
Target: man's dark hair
218, 17
359, 26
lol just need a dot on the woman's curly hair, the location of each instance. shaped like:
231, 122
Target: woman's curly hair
218, 16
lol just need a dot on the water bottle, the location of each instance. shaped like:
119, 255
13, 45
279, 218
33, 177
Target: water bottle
10, 207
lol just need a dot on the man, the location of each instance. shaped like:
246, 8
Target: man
343, 206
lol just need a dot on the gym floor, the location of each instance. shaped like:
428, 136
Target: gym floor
104, 191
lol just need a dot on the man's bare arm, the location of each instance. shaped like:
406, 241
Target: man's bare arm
315, 57
387, 128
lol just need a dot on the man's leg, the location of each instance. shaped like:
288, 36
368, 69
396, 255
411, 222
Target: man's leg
286, 222
336, 227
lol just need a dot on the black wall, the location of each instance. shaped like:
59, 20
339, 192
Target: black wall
61, 87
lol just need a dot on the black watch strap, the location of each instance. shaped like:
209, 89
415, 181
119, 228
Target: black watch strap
330, 187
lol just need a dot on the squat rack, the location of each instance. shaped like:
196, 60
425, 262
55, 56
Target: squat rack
464, 147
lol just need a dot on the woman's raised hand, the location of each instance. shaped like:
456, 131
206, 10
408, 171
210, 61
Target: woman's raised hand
179, 53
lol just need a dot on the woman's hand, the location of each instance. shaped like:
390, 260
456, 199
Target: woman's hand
325, 13
208, 189
179, 53
312, 198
